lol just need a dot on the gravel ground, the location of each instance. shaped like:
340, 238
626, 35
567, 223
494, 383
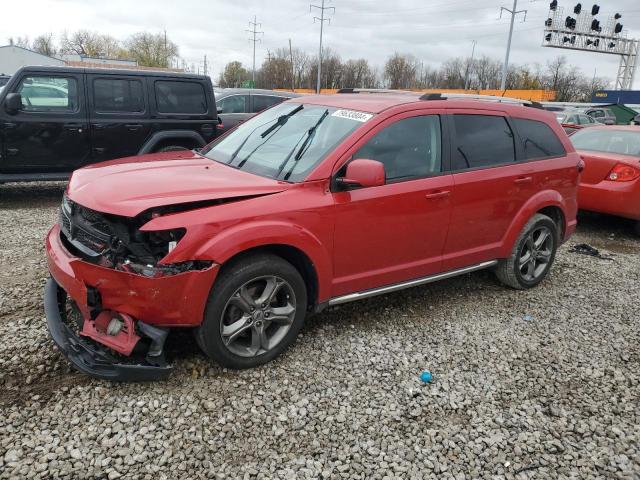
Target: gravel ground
536, 384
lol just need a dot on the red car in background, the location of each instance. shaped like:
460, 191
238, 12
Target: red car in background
610, 182
317, 201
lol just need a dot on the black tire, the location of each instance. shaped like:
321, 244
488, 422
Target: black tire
636, 228
510, 270
252, 268
173, 148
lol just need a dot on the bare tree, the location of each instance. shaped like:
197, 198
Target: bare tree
151, 49
44, 44
20, 41
233, 75
400, 71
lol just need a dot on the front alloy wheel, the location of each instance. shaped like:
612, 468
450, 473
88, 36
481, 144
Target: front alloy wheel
255, 310
258, 316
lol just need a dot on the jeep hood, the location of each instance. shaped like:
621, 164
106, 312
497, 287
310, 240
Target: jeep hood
132, 185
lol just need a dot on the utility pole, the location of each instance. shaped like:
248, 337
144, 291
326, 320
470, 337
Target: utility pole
205, 66
293, 72
466, 75
254, 39
321, 19
513, 13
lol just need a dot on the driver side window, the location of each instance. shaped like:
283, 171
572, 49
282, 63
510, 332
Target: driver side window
409, 148
48, 94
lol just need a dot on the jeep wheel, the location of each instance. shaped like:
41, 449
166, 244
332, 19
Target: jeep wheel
172, 148
255, 311
532, 254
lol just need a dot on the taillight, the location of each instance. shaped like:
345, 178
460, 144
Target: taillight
623, 172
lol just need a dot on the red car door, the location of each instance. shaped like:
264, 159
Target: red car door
490, 187
394, 232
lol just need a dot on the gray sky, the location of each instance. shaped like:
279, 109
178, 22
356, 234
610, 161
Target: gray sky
432, 30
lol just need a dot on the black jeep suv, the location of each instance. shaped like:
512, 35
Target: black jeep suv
54, 120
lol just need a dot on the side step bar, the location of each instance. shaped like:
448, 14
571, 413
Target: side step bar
411, 283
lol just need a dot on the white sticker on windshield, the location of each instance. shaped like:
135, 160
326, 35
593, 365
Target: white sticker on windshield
352, 115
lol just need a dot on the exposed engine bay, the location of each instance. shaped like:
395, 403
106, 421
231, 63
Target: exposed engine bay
116, 242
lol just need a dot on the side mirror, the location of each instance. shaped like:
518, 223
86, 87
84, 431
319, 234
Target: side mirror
609, 121
13, 103
363, 173
219, 110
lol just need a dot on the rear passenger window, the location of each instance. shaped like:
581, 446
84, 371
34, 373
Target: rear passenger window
180, 97
234, 104
260, 102
409, 148
538, 139
482, 141
118, 95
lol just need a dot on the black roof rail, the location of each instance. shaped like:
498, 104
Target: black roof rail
432, 96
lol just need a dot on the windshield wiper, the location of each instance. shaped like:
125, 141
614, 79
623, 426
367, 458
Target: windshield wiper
309, 134
282, 119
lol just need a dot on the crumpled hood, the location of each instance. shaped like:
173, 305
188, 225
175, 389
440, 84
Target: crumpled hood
129, 186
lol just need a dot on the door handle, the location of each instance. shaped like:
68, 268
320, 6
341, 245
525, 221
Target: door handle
12, 151
133, 126
523, 180
98, 150
98, 126
438, 194
8, 125
74, 127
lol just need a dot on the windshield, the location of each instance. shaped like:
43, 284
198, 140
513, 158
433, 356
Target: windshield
607, 140
287, 141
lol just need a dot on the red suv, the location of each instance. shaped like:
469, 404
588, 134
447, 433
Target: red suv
315, 202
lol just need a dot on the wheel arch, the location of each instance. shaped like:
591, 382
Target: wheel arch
167, 136
293, 243
296, 257
549, 203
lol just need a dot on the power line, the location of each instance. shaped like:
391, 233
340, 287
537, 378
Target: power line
321, 19
513, 13
254, 39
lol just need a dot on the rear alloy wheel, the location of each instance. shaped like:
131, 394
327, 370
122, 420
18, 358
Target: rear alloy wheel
255, 311
532, 255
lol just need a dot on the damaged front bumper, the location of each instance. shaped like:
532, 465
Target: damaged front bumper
85, 355
150, 305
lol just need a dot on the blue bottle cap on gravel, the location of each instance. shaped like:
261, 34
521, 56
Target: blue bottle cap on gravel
426, 376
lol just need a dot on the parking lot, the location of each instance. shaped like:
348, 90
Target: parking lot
542, 383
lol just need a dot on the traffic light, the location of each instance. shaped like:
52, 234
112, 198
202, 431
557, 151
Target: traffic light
595, 25
548, 22
617, 28
577, 9
570, 23
553, 5
595, 9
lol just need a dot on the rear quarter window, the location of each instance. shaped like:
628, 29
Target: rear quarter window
174, 96
538, 139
